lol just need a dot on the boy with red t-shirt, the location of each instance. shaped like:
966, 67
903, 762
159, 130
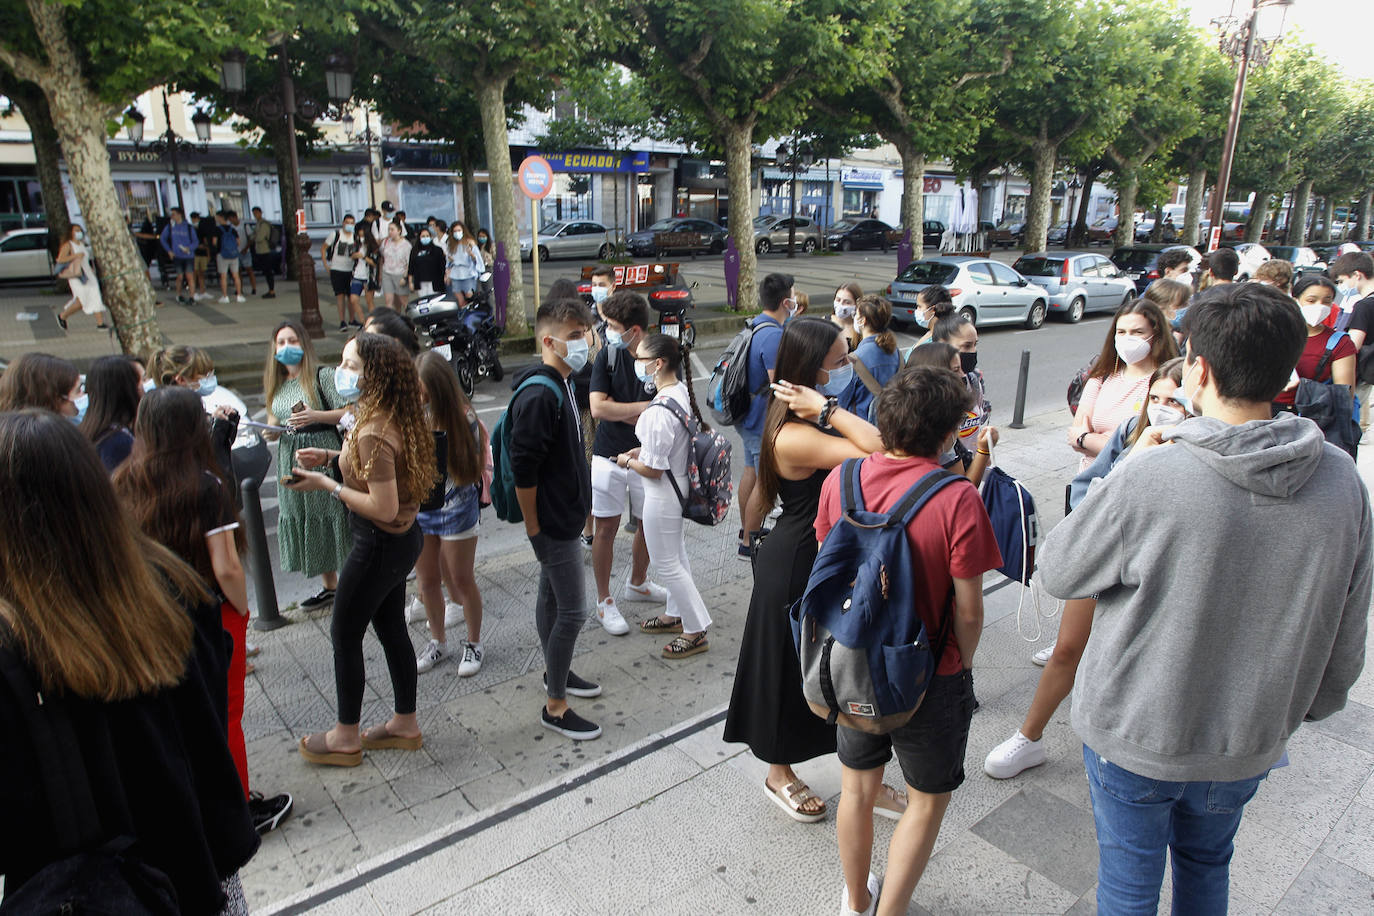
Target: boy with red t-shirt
952, 545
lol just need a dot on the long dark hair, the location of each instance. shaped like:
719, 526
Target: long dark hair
674, 356
450, 411
805, 342
37, 380
386, 320
937, 353
947, 322
1163, 347
113, 389
162, 482
391, 395
111, 625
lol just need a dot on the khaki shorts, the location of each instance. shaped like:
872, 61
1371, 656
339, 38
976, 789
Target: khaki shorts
202, 262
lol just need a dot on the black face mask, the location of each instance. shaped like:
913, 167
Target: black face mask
968, 361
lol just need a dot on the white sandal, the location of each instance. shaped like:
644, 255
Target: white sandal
790, 799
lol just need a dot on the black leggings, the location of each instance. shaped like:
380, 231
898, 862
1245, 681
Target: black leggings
372, 589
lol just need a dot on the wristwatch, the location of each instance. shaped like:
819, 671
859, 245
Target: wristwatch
823, 421
338, 492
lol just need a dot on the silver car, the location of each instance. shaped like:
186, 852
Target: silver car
987, 291
24, 255
578, 238
1078, 282
770, 233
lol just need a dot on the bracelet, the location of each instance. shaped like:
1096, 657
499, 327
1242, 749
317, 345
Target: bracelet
1083, 436
338, 492
983, 451
823, 421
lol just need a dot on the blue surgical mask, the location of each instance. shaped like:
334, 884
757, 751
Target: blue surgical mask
347, 382
599, 294
426, 240
149, 384
81, 402
615, 338
643, 373
839, 381
290, 355
576, 356
207, 385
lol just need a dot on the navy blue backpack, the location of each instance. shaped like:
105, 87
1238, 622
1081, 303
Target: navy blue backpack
1011, 510
866, 658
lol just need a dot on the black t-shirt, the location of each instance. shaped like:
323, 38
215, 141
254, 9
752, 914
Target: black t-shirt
216, 515
623, 387
1362, 319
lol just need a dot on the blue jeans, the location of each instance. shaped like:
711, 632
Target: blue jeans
1138, 819
753, 444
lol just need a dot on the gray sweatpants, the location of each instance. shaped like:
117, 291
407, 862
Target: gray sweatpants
560, 609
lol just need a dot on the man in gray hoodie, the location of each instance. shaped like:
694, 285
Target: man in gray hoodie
1216, 632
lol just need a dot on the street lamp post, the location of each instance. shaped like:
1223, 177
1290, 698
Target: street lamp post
1074, 186
796, 155
1240, 39
168, 142
366, 138
338, 75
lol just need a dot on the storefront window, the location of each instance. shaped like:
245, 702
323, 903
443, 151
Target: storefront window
139, 198
320, 201
858, 202
422, 198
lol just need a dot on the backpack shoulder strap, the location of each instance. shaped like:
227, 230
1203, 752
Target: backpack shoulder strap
866, 377
545, 382
1331, 343
916, 497
851, 492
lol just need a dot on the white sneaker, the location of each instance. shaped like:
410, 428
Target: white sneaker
1042, 658
415, 610
240, 299
201, 297
875, 887
472, 659
453, 614
1014, 755
610, 618
649, 590
430, 656
223, 299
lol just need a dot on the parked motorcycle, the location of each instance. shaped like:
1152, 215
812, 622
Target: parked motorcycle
672, 318
467, 335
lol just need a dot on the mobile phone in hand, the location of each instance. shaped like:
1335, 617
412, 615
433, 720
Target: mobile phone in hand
291, 478
298, 407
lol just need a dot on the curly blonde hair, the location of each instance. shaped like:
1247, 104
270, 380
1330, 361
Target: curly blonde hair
391, 394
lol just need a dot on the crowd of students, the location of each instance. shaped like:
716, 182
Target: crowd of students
386, 467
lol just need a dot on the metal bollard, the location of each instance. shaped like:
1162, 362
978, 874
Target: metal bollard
1018, 415
259, 559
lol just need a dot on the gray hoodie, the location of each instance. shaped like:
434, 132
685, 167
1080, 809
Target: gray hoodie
1233, 574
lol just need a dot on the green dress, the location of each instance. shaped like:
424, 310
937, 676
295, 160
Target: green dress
312, 528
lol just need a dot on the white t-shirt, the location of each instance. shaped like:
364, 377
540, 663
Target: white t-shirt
360, 268
340, 258
663, 440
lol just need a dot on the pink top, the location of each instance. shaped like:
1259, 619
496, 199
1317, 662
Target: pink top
1109, 402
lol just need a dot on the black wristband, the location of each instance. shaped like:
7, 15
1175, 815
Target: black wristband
831, 404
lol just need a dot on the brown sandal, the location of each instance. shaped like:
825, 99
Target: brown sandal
685, 646
661, 624
315, 749
791, 797
377, 738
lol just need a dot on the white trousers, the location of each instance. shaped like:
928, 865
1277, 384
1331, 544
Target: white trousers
662, 523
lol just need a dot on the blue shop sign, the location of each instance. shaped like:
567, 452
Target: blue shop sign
598, 161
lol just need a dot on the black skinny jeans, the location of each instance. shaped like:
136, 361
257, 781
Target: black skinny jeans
372, 589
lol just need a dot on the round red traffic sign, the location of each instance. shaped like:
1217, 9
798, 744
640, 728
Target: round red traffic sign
536, 177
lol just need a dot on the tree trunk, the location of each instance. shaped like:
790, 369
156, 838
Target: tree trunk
1366, 206
1125, 202
79, 118
738, 157
1044, 154
1272, 229
1316, 217
491, 101
277, 137
470, 214
913, 200
1192, 206
1297, 214
1259, 212
1078, 227
47, 154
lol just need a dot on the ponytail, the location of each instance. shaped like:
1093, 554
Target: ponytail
877, 315
675, 355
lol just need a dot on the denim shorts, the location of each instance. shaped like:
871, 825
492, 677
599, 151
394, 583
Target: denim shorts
753, 443
930, 748
457, 518
357, 286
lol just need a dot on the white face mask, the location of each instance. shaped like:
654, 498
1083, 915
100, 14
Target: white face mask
1132, 349
842, 310
1315, 314
1163, 415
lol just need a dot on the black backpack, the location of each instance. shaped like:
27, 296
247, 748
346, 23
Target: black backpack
96, 877
727, 392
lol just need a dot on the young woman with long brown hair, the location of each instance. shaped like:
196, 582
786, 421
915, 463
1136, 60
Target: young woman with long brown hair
75, 255
450, 531
805, 435
312, 529
113, 389
125, 646
387, 464
172, 489
43, 381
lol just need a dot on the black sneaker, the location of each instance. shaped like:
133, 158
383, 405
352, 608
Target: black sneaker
570, 725
268, 813
269, 295
343, 327
319, 599
586, 540
356, 324
579, 687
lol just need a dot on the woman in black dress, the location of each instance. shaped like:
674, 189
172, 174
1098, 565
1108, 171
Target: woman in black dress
804, 437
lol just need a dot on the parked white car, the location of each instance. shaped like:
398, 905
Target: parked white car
24, 255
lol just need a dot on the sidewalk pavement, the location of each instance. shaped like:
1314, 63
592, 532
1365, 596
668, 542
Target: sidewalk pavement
496, 814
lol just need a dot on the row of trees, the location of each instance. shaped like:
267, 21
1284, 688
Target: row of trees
1130, 91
